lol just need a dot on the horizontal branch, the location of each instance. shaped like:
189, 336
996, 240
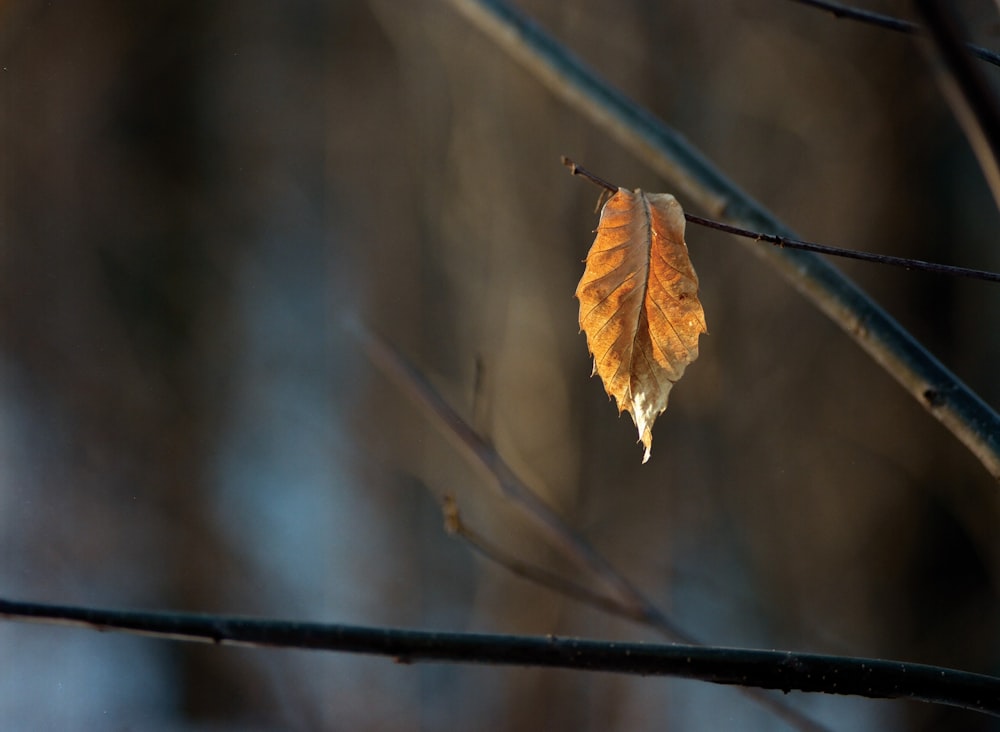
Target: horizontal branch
783, 670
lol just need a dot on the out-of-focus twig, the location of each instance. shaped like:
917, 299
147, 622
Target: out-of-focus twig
628, 600
965, 87
888, 22
411, 382
481, 545
934, 387
612, 606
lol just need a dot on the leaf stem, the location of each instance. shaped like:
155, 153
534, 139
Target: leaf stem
575, 169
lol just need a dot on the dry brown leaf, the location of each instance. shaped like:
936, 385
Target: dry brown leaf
639, 304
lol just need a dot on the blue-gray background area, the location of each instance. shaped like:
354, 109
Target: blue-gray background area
203, 204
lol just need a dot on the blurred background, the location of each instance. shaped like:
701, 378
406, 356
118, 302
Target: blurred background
199, 201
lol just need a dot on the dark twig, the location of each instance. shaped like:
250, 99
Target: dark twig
483, 454
556, 582
575, 169
629, 601
870, 678
888, 22
839, 10
784, 241
610, 605
966, 88
905, 262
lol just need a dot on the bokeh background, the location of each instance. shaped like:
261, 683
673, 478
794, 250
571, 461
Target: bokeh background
200, 201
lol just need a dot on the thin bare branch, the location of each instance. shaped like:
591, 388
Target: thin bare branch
865, 677
938, 390
806, 246
888, 22
411, 382
628, 600
965, 87
872, 257
530, 572
575, 169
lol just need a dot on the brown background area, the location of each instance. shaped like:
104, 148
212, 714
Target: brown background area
197, 200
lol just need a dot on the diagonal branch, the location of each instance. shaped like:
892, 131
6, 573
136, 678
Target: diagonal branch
783, 670
966, 89
483, 454
530, 572
888, 22
938, 390
625, 598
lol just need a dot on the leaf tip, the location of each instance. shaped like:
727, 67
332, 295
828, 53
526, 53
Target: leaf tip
646, 437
